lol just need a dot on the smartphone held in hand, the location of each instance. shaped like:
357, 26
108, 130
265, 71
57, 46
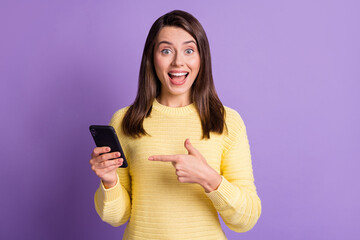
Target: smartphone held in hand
105, 136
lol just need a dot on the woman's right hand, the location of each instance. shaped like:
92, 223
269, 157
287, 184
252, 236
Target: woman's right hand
104, 168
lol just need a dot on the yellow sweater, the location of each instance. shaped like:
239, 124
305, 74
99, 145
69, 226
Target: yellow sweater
149, 195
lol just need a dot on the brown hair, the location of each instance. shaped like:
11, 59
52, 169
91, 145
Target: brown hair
203, 93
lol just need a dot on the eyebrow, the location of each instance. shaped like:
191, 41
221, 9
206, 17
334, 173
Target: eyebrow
187, 42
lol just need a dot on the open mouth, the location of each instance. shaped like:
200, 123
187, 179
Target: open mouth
178, 78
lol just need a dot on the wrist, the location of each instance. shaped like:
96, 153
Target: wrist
110, 184
212, 182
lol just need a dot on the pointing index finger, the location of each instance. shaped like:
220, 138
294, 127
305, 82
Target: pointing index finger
164, 158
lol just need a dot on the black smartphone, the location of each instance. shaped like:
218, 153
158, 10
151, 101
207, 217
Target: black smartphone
105, 136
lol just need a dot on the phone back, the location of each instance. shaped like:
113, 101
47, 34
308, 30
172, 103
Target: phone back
105, 135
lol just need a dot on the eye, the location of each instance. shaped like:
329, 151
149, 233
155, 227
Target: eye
189, 51
166, 51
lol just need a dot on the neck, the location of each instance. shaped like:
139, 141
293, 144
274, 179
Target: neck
174, 101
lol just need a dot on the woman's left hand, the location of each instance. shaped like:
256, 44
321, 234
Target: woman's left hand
192, 168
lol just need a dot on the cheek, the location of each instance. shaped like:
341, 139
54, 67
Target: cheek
195, 64
156, 63
158, 66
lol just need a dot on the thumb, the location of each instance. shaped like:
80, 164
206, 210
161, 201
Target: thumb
190, 148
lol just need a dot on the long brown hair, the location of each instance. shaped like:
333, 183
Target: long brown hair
203, 93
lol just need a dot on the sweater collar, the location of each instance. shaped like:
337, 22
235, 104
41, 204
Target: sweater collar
174, 110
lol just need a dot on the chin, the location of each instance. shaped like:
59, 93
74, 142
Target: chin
179, 90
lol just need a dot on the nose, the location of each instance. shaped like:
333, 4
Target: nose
178, 60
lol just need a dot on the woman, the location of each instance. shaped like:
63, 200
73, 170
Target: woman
188, 155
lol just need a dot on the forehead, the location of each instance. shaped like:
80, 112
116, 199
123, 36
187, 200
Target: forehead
174, 35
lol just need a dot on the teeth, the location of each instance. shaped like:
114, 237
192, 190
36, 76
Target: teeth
177, 74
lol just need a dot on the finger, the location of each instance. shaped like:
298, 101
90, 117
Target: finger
183, 179
190, 148
105, 157
182, 173
109, 163
179, 173
165, 158
98, 150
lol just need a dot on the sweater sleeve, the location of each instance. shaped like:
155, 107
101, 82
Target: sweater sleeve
113, 205
236, 199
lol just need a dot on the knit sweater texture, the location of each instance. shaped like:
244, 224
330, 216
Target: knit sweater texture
152, 200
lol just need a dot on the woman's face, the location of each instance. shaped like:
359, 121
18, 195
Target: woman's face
177, 61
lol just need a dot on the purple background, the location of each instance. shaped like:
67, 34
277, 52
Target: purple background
291, 69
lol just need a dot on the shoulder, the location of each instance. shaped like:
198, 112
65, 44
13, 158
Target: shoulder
233, 119
117, 117
119, 114
235, 128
